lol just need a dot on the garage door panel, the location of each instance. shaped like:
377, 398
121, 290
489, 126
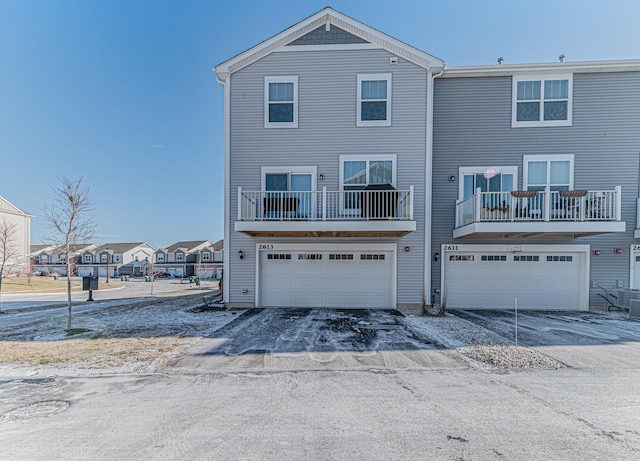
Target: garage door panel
328, 278
539, 280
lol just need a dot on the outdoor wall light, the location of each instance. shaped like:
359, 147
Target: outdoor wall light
320, 176
240, 254
596, 252
407, 249
618, 251
452, 178
436, 257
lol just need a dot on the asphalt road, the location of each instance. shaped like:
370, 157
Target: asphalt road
223, 401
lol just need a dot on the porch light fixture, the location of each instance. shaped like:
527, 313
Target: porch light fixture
452, 178
596, 252
320, 176
240, 254
407, 249
436, 257
618, 251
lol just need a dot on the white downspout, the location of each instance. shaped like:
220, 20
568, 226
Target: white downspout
225, 80
428, 186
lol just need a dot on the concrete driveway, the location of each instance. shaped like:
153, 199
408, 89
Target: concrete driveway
317, 339
578, 339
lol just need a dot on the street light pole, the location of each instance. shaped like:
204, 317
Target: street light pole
108, 257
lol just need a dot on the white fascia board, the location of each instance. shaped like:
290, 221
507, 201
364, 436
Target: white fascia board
529, 227
496, 70
327, 15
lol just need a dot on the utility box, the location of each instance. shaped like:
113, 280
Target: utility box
634, 309
625, 297
89, 283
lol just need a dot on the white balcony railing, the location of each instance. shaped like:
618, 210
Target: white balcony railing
324, 205
546, 206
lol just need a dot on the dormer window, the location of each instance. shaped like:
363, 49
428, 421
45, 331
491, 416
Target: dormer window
179, 256
103, 257
87, 258
160, 257
206, 256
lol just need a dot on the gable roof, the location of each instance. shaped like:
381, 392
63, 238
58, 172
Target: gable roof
6, 205
313, 22
119, 248
185, 246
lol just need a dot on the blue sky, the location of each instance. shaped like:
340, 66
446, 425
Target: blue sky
122, 91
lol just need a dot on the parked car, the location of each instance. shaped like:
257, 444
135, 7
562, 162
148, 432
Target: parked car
161, 275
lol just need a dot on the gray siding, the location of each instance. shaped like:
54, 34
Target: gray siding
327, 129
321, 36
472, 127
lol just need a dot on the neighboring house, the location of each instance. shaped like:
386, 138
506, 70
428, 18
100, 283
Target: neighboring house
201, 258
363, 172
53, 259
22, 236
116, 259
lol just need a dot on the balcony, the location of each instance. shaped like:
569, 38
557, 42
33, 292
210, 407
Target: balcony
323, 213
544, 214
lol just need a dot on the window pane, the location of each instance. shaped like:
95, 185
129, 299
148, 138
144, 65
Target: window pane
528, 90
495, 183
355, 173
468, 189
280, 113
507, 183
537, 173
560, 172
281, 92
277, 181
481, 182
555, 110
556, 89
301, 182
374, 89
373, 111
380, 172
528, 112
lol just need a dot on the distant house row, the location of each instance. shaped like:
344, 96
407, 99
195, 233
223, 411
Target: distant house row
201, 258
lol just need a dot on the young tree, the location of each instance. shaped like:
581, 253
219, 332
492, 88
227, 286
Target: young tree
69, 218
9, 252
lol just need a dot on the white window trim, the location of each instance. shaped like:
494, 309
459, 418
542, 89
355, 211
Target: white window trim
360, 158
481, 169
87, 258
366, 77
546, 158
206, 256
160, 257
541, 122
281, 79
181, 258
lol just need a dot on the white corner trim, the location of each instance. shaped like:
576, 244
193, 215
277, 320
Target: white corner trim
227, 184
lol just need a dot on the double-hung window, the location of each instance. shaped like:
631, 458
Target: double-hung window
542, 101
87, 258
160, 257
179, 256
281, 102
360, 171
206, 256
374, 100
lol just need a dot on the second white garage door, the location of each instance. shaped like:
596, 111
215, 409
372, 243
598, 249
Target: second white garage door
485, 279
327, 278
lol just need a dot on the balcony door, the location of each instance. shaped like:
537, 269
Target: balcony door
291, 186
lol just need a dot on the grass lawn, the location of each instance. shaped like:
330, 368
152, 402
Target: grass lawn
38, 285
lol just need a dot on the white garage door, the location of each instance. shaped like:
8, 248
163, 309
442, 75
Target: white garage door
492, 279
84, 271
312, 278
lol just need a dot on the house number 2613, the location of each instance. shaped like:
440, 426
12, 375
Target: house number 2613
265, 247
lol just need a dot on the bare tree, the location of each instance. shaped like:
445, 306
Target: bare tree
69, 218
9, 252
